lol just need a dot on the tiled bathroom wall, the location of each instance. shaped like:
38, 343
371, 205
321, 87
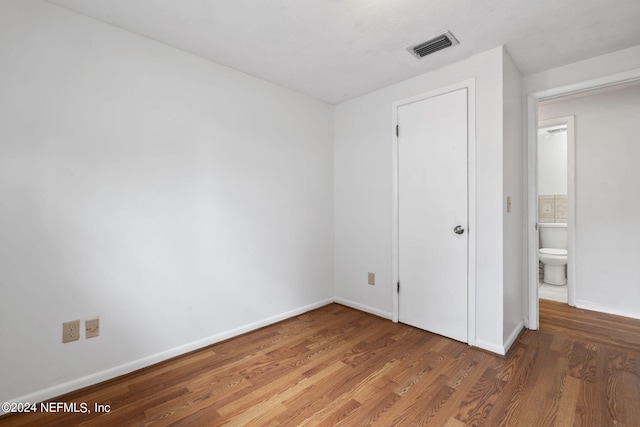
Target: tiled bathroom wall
553, 208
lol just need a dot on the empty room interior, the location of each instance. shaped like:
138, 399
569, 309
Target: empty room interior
319, 213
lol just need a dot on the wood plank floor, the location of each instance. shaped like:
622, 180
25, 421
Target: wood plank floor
336, 366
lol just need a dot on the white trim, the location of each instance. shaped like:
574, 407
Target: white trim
394, 215
471, 206
493, 348
532, 138
365, 308
107, 374
588, 305
470, 85
532, 211
513, 337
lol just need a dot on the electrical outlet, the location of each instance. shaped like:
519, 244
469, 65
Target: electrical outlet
71, 331
92, 328
372, 279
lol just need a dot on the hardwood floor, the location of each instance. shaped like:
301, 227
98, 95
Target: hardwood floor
336, 366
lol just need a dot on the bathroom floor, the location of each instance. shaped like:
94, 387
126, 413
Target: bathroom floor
553, 293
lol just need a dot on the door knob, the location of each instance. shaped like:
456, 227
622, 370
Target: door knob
458, 229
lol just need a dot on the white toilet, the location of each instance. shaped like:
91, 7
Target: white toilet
553, 252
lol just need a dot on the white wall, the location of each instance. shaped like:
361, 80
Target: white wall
552, 163
513, 187
607, 197
600, 66
363, 191
178, 200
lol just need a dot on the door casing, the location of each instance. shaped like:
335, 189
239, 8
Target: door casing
530, 301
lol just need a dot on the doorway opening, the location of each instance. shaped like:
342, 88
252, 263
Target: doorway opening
533, 101
556, 207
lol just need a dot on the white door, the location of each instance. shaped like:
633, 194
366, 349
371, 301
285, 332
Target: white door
433, 214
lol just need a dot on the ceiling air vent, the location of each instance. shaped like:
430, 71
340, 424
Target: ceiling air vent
440, 42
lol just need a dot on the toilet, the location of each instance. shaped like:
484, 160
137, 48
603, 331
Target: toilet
553, 252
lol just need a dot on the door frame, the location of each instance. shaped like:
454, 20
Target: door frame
532, 312
471, 198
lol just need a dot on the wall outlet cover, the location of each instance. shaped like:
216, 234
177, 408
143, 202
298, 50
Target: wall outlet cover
92, 328
371, 279
71, 331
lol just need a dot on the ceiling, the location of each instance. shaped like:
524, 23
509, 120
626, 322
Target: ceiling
334, 50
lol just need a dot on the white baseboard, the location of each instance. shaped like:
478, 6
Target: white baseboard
493, 348
513, 337
588, 305
501, 349
365, 308
116, 371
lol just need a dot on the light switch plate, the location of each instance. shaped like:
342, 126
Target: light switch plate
372, 279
